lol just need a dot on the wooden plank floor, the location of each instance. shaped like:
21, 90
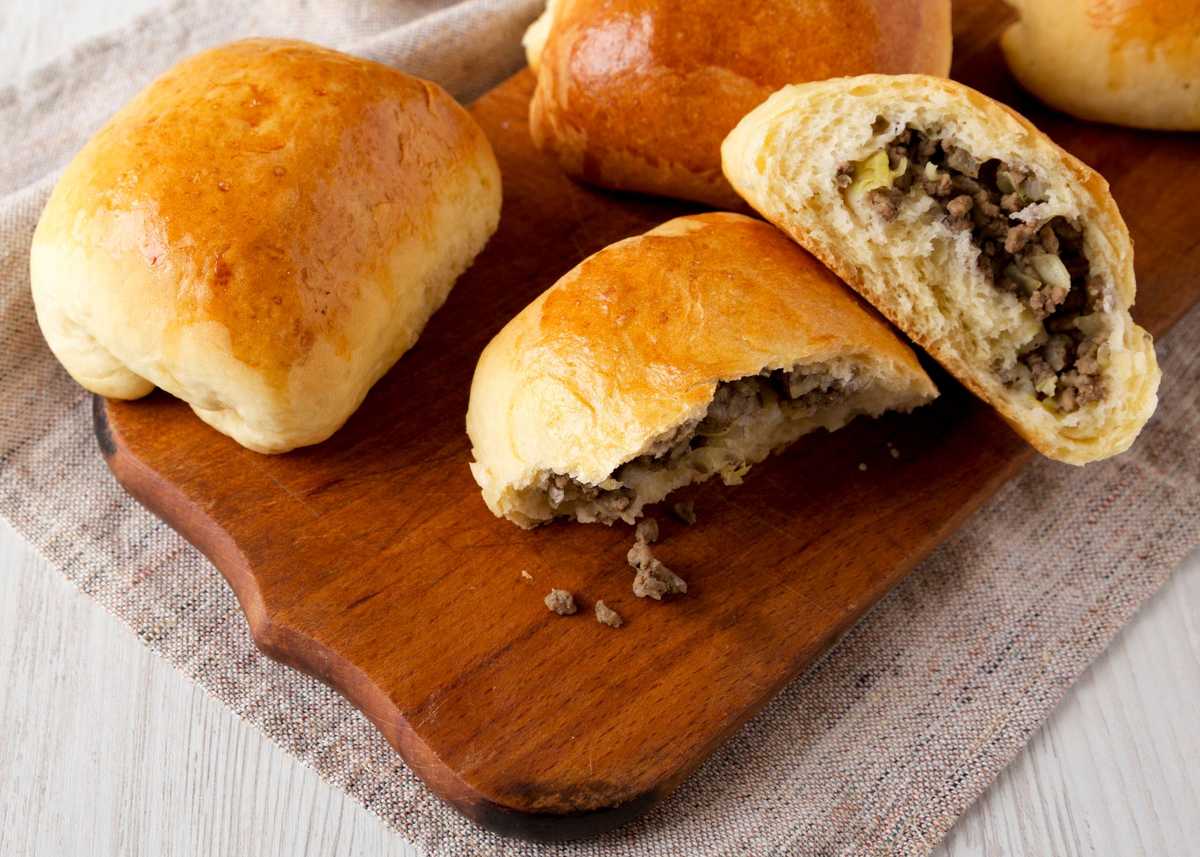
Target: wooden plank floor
1115, 771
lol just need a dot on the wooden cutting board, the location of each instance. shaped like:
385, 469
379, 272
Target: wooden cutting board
371, 562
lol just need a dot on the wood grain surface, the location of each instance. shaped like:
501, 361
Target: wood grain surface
371, 562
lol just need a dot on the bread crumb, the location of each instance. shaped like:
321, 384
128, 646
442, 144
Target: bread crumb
561, 602
647, 531
525, 575
639, 555
653, 579
685, 511
656, 580
895, 453
862, 465
605, 615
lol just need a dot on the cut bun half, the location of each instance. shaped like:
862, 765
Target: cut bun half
998, 252
688, 352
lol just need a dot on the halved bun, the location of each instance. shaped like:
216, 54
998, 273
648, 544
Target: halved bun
995, 308
598, 398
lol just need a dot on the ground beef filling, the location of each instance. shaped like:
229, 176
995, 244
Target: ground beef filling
801, 391
1042, 264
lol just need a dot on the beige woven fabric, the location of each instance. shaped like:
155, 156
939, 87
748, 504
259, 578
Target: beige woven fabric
875, 751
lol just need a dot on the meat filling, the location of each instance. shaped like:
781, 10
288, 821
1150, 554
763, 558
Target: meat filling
694, 445
1042, 264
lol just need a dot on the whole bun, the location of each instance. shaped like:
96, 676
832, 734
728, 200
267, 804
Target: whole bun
1136, 62
262, 232
638, 94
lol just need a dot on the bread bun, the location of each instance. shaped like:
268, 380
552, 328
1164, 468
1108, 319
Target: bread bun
1018, 280
668, 358
638, 94
262, 232
1136, 62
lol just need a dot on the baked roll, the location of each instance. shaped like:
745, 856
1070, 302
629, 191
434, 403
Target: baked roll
262, 232
638, 94
1134, 62
688, 352
999, 253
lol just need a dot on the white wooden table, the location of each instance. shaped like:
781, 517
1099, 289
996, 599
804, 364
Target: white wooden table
1115, 772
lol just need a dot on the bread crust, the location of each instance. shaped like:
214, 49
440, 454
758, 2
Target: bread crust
633, 341
638, 95
1131, 63
756, 158
262, 232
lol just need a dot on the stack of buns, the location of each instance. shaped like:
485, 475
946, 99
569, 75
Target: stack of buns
266, 229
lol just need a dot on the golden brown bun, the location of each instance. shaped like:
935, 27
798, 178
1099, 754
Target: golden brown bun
262, 232
638, 94
1135, 62
784, 158
633, 341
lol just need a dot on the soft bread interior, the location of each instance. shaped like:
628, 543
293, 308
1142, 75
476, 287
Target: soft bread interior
534, 40
745, 421
830, 164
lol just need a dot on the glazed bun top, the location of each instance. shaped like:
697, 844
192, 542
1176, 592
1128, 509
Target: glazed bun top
634, 340
1136, 62
262, 232
638, 94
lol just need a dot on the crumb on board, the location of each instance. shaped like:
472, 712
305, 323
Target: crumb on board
605, 615
656, 580
653, 579
639, 555
862, 465
561, 602
525, 575
685, 511
647, 531
893, 452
